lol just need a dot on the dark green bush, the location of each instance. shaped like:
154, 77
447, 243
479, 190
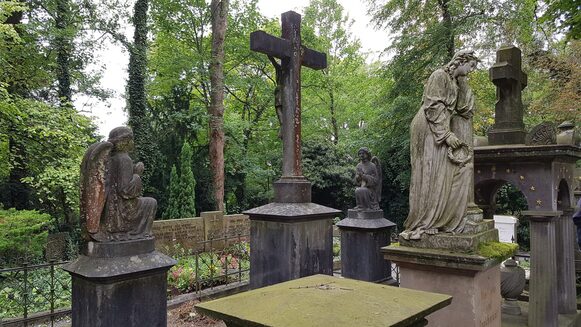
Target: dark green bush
22, 235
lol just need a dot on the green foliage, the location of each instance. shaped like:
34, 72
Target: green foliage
197, 271
48, 144
330, 171
510, 201
22, 236
39, 291
566, 17
497, 250
182, 197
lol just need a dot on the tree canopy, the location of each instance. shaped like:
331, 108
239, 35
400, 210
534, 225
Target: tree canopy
47, 50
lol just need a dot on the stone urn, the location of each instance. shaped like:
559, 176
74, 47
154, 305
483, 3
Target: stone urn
512, 283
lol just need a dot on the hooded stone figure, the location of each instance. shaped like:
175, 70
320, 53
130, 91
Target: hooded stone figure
441, 181
112, 208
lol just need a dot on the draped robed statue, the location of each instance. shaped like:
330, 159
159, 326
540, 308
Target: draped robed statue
441, 153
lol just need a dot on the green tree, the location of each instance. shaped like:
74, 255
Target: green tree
182, 198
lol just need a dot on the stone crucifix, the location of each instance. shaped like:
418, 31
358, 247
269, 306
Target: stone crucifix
293, 55
510, 80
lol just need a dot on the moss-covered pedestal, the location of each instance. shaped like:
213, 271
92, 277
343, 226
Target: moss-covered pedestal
471, 277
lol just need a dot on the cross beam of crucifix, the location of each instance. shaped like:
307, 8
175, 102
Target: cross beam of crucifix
292, 55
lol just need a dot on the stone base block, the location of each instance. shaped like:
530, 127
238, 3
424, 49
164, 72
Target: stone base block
119, 291
290, 240
472, 281
475, 228
361, 240
283, 251
501, 136
465, 243
511, 307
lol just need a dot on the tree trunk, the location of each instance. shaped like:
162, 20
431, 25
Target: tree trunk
216, 109
332, 107
64, 50
449, 29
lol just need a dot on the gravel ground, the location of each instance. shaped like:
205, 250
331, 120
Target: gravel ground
186, 315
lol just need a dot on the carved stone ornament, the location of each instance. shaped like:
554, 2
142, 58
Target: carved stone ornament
112, 208
542, 134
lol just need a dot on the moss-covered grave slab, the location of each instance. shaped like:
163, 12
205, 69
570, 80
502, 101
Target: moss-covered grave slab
322, 300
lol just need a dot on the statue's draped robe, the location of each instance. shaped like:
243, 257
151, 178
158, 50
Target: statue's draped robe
366, 196
125, 211
439, 189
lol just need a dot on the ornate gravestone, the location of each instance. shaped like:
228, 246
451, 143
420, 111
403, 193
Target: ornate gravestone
365, 231
118, 279
507, 75
543, 172
291, 237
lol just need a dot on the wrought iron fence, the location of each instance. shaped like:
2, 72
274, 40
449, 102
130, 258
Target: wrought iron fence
39, 292
213, 263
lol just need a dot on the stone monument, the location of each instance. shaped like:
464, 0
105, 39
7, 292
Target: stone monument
543, 171
510, 80
438, 250
118, 279
365, 230
290, 237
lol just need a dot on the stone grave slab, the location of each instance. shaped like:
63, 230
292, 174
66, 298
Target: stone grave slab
322, 300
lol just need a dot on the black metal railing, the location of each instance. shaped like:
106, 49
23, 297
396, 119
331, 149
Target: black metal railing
213, 263
34, 292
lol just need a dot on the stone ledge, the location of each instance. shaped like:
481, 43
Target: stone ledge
288, 212
113, 268
438, 258
372, 224
464, 243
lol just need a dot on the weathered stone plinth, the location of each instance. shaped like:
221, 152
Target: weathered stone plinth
363, 233
290, 240
473, 282
463, 242
119, 284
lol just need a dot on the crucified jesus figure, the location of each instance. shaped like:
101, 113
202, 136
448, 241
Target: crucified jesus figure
277, 93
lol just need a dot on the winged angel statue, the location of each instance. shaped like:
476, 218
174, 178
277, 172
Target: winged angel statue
112, 208
368, 178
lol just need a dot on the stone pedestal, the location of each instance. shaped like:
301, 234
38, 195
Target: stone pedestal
363, 234
119, 284
566, 263
543, 299
472, 281
291, 237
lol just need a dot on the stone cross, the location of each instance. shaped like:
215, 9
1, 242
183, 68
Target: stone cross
510, 80
292, 55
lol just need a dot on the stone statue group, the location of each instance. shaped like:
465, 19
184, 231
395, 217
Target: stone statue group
112, 208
